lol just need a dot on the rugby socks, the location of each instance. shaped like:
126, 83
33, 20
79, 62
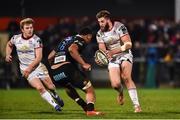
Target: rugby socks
82, 103
46, 96
56, 97
72, 93
133, 95
90, 106
53, 93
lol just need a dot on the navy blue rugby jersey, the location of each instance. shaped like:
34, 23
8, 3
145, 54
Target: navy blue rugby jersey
62, 53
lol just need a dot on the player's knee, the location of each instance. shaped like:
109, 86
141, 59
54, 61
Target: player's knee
51, 86
48, 83
127, 79
115, 84
41, 89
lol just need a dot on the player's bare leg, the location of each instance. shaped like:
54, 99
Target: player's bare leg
126, 68
91, 98
51, 87
36, 83
120, 97
114, 73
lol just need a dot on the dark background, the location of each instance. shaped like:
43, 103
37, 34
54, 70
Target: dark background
125, 8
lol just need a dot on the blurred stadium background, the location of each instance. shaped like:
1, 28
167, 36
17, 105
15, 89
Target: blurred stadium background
154, 26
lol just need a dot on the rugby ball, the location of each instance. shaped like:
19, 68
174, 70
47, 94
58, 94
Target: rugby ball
101, 58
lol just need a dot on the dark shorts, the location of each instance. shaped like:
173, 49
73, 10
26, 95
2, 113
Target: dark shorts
68, 73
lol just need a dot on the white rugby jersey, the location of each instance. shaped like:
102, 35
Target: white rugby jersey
26, 49
112, 39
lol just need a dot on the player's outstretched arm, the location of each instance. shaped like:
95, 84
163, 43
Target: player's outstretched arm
73, 49
9, 48
127, 44
51, 56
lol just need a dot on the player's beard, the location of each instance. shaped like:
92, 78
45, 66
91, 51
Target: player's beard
105, 28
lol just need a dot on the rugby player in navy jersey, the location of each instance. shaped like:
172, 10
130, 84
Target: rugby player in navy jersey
64, 60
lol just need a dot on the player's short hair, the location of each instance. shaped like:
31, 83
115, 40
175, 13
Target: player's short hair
103, 13
26, 21
85, 31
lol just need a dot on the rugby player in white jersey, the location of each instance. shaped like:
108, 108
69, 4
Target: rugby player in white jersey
113, 38
29, 50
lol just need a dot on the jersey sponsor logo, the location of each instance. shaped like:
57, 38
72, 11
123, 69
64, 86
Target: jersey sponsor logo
24, 48
64, 43
123, 29
59, 59
59, 76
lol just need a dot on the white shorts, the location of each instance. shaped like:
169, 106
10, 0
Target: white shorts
40, 72
118, 59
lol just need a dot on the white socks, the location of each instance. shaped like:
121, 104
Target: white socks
46, 96
133, 96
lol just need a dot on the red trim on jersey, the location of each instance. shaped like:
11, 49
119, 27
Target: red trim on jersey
39, 47
124, 35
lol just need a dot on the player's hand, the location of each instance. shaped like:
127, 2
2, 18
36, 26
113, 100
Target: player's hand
98, 62
26, 72
109, 54
8, 58
87, 67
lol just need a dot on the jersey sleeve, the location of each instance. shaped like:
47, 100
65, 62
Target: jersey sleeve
38, 43
121, 30
12, 40
79, 43
98, 38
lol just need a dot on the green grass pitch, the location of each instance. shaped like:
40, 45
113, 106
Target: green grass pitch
27, 103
